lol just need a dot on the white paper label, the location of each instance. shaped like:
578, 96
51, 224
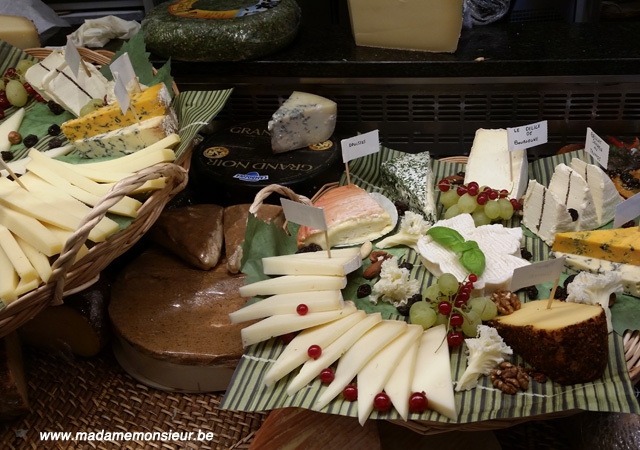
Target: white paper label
597, 147
310, 216
72, 57
122, 95
536, 273
527, 136
361, 145
626, 211
123, 68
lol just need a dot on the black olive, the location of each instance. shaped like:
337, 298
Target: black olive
6, 156
54, 130
55, 108
55, 143
30, 140
363, 290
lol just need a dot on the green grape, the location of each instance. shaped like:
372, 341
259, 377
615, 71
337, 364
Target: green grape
480, 218
23, 65
470, 323
467, 203
2, 84
483, 306
441, 319
432, 292
452, 211
448, 283
449, 198
421, 313
492, 209
91, 106
16, 93
506, 209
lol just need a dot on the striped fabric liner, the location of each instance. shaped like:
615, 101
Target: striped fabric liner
612, 393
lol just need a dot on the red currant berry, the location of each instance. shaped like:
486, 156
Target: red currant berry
444, 308
39, 98
455, 339
4, 102
444, 185
515, 203
286, 338
382, 402
493, 194
464, 296
482, 198
30, 90
327, 375
11, 73
302, 309
460, 302
456, 319
461, 190
473, 277
350, 393
473, 188
418, 403
504, 193
314, 351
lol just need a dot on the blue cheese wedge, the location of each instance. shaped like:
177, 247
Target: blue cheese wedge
303, 119
129, 139
409, 178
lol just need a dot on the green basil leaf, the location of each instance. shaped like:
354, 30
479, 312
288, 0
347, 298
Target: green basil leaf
447, 237
464, 246
473, 260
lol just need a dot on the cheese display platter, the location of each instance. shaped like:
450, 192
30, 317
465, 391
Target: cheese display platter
430, 383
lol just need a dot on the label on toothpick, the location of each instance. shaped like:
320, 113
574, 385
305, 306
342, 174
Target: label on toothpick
124, 69
597, 147
72, 57
360, 145
536, 273
527, 136
626, 211
122, 95
310, 216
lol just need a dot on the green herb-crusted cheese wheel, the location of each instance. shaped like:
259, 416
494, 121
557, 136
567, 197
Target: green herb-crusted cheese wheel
220, 30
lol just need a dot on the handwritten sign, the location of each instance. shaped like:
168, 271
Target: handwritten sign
310, 216
72, 57
536, 273
626, 211
361, 145
527, 136
597, 147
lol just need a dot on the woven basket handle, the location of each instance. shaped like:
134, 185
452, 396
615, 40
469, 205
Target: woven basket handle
173, 172
279, 189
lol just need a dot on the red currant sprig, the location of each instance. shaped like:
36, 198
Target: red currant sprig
418, 403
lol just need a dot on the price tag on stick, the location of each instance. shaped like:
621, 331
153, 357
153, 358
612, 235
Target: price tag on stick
538, 273
359, 146
597, 147
123, 98
124, 69
310, 216
74, 60
626, 211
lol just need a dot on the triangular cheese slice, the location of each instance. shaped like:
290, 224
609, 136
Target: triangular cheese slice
398, 387
573, 191
604, 193
544, 213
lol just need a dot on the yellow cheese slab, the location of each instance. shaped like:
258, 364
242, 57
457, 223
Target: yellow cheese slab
620, 245
38, 260
293, 265
19, 32
560, 315
153, 101
8, 279
14, 252
31, 230
292, 283
64, 236
27, 286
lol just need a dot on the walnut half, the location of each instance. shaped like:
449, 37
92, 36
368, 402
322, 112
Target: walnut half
509, 378
506, 301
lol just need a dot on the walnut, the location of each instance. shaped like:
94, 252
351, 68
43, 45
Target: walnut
506, 301
509, 378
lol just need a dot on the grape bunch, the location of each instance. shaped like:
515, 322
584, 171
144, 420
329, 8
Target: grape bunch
14, 90
486, 205
449, 302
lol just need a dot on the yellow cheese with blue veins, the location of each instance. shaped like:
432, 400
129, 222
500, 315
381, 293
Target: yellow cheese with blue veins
153, 101
620, 245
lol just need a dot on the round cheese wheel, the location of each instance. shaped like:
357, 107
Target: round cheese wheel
220, 30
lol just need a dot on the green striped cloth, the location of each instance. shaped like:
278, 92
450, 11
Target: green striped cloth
613, 392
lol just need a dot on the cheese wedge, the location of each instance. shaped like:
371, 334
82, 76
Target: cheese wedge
352, 217
316, 301
398, 387
294, 265
36, 74
287, 323
19, 31
14, 252
620, 245
287, 284
11, 123
153, 101
295, 353
432, 373
356, 357
312, 368
572, 190
604, 193
375, 374
544, 213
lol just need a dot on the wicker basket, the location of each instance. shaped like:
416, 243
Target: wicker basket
69, 276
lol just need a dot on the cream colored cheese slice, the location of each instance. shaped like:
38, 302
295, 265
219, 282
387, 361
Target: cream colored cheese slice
573, 191
8, 279
293, 283
398, 387
38, 260
14, 252
292, 265
544, 213
31, 230
604, 193
295, 353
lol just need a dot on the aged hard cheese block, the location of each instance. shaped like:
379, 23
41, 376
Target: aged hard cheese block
316, 301
568, 342
19, 31
286, 323
303, 119
355, 358
432, 373
293, 283
620, 245
492, 164
295, 353
375, 374
409, 178
352, 216
153, 101
129, 139
544, 213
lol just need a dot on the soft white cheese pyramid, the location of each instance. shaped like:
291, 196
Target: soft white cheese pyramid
544, 213
573, 191
604, 193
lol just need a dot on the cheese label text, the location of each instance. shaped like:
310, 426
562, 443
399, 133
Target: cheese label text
597, 147
360, 145
527, 136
